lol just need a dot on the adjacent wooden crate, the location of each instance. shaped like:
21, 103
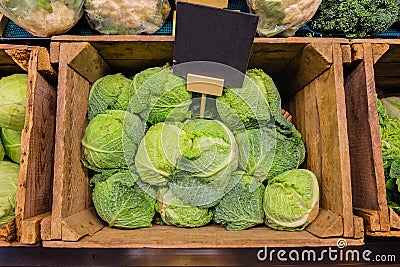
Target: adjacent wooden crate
377, 66
309, 75
33, 198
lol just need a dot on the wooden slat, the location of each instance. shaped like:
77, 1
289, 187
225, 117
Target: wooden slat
213, 236
9, 232
384, 234
346, 53
45, 228
371, 219
54, 53
135, 50
327, 224
392, 54
80, 224
213, 3
368, 183
358, 227
71, 192
36, 164
30, 229
394, 219
334, 142
378, 50
308, 64
89, 64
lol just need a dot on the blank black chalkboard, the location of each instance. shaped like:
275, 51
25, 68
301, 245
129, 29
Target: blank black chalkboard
208, 34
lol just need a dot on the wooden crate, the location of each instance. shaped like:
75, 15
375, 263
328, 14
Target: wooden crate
377, 65
309, 74
33, 198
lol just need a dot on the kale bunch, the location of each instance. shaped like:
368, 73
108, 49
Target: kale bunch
355, 18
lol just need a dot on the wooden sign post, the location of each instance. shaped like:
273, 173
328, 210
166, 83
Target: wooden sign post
217, 44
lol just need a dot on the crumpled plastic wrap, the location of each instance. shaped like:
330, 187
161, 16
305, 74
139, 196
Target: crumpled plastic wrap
127, 16
283, 17
43, 18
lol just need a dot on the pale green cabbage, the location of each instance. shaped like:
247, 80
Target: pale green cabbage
174, 211
12, 143
159, 151
8, 188
291, 200
112, 92
242, 207
204, 172
109, 138
120, 201
13, 101
160, 96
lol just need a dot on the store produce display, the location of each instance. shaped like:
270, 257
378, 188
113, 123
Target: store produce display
196, 170
12, 117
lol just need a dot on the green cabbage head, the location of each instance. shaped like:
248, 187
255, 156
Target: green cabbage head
13, 101
12, 143
291, 200
120, 201
242, 207
269, 151
8, 188
109, 138
113, 92
159, 151
203, 174
161, 96
174, 211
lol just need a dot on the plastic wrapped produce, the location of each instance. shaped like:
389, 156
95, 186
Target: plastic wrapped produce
283, 17
126, 16
43, 18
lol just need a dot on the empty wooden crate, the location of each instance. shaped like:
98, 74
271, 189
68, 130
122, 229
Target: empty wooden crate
33, 197
309, 75
377, 66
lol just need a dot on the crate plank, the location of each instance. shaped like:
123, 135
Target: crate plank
202, 237
71, 122
327, 224
30, 229
80, 224
45, 228
394, 219
304, 67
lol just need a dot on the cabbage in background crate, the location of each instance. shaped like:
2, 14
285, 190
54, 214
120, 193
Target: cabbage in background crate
43, 18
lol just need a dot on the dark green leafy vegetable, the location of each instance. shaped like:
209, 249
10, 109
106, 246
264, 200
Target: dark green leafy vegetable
175, 212
120, 201
111, 92
390, 142
242, 207
267, 152
356, 18
161, 96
